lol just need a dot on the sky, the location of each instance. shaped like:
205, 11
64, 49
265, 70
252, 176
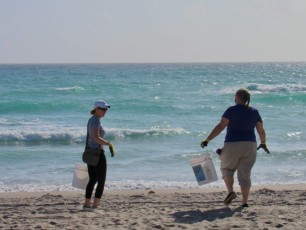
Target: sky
150, 31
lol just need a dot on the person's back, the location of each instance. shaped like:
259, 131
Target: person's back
239, 150
242, 122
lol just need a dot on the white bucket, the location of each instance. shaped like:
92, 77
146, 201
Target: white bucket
80, 177
204, 169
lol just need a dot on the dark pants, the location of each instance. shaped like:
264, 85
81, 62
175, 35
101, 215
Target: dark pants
97, 174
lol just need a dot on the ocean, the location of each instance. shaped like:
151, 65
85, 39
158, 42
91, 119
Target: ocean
159, 114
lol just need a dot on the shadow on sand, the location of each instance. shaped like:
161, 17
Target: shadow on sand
194, 216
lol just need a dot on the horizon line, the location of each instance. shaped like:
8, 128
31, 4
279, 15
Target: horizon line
139, 63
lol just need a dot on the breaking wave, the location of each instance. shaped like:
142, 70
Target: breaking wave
75, 135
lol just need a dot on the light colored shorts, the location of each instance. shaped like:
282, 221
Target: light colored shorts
240, 156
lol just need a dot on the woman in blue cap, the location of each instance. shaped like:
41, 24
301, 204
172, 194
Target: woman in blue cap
95, 139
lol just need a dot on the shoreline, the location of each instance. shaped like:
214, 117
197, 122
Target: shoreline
272, 206
279, 187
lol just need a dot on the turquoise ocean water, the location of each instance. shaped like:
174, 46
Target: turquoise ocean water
159, 114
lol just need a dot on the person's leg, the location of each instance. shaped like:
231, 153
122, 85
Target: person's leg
244, 182
245, 190
91, 184
229, 162
244, 170
87, 202
101, 170
229, 182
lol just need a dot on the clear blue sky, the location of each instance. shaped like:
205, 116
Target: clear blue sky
98, 31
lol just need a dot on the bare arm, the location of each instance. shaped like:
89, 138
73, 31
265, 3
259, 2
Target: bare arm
218, 129
98, 139
261, 132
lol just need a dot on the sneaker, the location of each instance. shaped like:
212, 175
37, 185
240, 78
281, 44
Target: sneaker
245, 205
231, 196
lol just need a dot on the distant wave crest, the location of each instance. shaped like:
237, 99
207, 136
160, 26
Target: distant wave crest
256, 88
262, 88
35, 136
63, 135
136, 133
76, 88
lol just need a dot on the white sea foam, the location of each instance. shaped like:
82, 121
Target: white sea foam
294, 134
43, 135
135, 185
110, 185
77, 135
255, 88
286, 88
69, 88
153, 131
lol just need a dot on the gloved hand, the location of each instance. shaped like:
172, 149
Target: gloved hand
204, 143
111, 149
264, 147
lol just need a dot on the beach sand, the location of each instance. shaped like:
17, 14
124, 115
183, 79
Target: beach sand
271, 207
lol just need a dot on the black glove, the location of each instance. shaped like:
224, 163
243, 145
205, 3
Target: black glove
264, 147
111, 149
204, 143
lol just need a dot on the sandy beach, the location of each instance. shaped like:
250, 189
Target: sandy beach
271, 207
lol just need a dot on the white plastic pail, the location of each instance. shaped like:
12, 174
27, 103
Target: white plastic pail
204, 169
80, 177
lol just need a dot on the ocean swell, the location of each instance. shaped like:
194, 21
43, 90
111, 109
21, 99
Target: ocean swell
77, 135
287, 88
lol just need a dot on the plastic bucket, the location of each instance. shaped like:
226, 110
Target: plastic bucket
204, 169
80, 177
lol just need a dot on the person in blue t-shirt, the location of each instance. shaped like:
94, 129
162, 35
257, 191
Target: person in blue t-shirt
240, 148
95, 139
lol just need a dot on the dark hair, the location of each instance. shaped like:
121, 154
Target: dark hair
93, 111
244, 95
